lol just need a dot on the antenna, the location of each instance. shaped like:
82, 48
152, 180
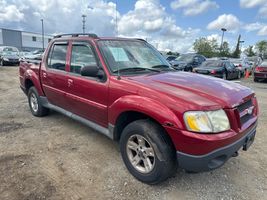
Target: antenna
118, 66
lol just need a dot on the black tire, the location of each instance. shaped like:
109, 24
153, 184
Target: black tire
41, 110
165, 162
224, 76
239, 75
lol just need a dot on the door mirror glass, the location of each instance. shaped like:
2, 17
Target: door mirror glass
92, 71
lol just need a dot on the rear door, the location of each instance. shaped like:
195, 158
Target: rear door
54, 75
87, 95
230, 70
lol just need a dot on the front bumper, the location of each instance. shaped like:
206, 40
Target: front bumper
11, 62
262, 75
216, 158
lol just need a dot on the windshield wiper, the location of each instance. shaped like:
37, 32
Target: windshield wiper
163, 67
135, 69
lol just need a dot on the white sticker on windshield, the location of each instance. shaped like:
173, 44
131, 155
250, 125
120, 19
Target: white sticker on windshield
119, 54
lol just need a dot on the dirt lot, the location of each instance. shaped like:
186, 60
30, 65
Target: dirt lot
58, 158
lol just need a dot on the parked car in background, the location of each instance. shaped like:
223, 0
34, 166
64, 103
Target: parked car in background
242, 65
219, 68
9, 55
169, 58
35, 55
8, 48
260, 72
24, 54
187, 62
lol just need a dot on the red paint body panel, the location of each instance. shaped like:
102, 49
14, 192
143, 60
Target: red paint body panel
162, 96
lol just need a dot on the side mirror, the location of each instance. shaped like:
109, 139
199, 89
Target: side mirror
92, 71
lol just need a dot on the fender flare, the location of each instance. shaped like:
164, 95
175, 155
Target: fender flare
32, 76
150, 107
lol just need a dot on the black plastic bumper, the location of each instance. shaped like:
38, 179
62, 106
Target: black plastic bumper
216, 158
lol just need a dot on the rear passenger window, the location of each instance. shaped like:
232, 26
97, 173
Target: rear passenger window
57, 57
81, 55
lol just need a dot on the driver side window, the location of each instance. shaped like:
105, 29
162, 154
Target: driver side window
81, 55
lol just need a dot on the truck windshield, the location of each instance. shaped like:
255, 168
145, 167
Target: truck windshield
132, 57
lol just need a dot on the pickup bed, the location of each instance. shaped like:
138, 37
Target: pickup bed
125, 89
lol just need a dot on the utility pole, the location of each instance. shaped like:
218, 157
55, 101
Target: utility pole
83, 21
116, 19
42, 20
223, 30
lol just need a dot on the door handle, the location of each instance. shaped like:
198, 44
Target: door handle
70, 82
44, 74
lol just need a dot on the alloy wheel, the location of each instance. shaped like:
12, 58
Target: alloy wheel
140, 153
34, 102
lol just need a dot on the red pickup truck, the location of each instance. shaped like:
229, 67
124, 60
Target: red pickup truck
125, 89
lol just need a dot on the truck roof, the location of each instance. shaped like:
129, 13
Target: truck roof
92, 36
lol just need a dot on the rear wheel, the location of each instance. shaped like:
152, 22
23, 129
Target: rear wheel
35, 104
239, 75
147, 152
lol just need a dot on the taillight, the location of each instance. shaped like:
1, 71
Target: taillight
258, 69
213, 71
255, 103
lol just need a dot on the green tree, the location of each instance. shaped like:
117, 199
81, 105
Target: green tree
236, 53
249, 51
261, 46
225, 50
206, 47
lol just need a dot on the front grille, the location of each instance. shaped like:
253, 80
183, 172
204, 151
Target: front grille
245, 110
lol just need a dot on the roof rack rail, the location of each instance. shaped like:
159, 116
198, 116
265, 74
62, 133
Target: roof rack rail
141, 39
92, 35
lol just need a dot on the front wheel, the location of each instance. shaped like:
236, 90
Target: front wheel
35, 104
147, 152
224, 76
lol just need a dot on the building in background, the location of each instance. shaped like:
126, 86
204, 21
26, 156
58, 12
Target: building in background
24, 41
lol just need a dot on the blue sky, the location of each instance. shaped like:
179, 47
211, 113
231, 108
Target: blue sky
168, 25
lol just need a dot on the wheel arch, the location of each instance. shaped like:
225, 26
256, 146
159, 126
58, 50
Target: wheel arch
127, 110
32, 79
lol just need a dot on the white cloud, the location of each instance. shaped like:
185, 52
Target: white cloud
262, 4
228, 21
263, 11
251, 3
263, 31
214, 37
149, 20
253, 26
194, 7
261, 28
10, 12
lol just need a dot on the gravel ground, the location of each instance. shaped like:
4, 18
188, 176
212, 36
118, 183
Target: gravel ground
58, 158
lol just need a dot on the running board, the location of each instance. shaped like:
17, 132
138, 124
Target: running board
107, 132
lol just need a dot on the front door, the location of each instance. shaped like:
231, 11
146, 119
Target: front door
88, 96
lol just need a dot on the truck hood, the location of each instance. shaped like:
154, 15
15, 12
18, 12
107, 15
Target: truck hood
199, 91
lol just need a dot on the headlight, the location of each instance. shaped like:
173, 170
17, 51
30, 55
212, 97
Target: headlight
5, 59
207, 121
